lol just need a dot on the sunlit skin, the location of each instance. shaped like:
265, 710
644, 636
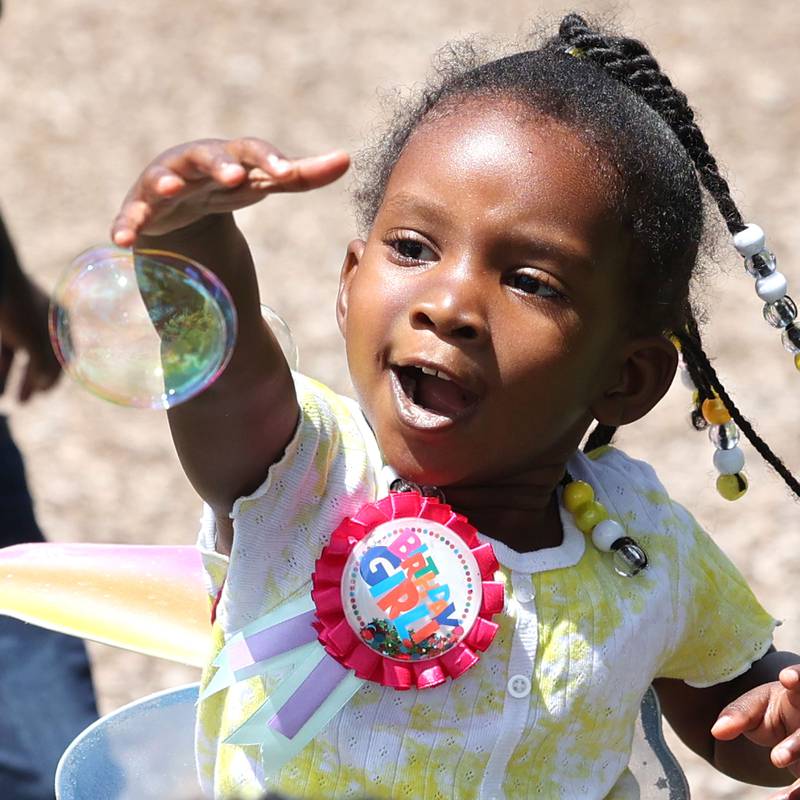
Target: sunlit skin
497, 257
494, 256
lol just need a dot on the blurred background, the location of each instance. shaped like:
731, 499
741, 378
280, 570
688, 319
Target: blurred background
91, 90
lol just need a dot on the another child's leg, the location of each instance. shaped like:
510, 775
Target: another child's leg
46, 694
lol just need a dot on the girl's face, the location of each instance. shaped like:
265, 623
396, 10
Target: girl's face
496, 261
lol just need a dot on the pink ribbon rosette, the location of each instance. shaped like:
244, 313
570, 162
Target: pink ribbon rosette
403, 595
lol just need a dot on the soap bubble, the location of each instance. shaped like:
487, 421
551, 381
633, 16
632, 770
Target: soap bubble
148, 329
284, 336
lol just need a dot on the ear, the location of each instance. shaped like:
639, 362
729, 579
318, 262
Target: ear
646, 373
352, 258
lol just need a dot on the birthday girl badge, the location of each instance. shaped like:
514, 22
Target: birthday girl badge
403, 596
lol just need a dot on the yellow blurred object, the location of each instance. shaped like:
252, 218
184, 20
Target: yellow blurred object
149, 599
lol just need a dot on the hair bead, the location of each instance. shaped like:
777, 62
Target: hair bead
780, 313
779, 310
714, 411
729, 462
791, 338
724, 437
588, 515
577, 494
608, 535
749, 241
732, 487
686, 379
761, 264
605, 533
771, 288
629, 558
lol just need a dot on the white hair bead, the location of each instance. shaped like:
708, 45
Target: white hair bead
605, 533
749, 241
729, 462
772, 287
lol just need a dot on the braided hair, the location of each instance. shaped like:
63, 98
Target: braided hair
612, 92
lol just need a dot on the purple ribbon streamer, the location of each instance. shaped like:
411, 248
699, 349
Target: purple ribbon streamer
275, 640
308, 697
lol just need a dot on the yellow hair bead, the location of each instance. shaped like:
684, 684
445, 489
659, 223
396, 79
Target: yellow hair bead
695, 397
576, 494
575, 52
588, 515
675, 341
732, 487
714, 411
797, 360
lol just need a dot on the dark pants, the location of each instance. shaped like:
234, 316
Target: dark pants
46, 695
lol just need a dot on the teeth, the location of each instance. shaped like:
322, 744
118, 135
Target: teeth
431, 371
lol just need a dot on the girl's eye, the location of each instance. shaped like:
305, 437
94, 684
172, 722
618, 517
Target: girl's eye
409, 250
532, 285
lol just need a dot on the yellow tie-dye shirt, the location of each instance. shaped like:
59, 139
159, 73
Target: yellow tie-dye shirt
549, 710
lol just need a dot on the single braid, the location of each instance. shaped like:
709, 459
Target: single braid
600, 436
692, 346
704, 388
631, 63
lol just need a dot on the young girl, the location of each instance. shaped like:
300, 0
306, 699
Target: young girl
530, 231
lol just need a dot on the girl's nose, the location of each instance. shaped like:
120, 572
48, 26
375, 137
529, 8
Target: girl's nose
452, 310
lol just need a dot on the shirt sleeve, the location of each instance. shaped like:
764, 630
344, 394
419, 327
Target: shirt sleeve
720, 627
329, 470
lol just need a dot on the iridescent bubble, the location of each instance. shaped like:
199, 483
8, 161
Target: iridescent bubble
148, 329
284, 336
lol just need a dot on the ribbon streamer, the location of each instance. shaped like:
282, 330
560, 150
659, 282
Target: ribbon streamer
313, 655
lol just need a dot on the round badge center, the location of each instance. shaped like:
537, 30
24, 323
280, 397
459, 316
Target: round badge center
411, 589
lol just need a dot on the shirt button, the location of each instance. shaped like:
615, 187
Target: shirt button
524, 594
519, 686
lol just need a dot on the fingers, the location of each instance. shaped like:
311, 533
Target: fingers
786, 752
212, 176
743, 715
790, 680
131, 219
789, 793
302, 174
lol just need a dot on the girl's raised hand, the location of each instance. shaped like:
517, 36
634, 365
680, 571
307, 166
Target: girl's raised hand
213, 176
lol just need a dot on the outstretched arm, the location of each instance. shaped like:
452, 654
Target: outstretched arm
227, 436
747, 727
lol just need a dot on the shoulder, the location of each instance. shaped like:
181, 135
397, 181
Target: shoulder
614, 472
612, 464
633, 493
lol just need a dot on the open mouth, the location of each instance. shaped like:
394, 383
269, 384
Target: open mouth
428, 398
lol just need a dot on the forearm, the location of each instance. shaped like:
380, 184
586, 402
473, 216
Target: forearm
228, 435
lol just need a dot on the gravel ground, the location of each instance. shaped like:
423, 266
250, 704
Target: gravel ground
91, 90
